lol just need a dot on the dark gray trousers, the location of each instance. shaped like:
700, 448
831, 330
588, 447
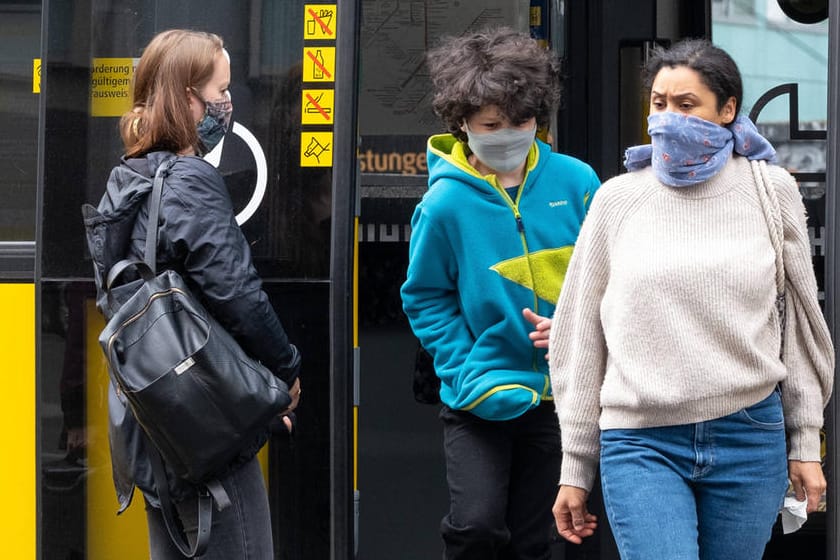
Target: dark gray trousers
241, 531
502, 478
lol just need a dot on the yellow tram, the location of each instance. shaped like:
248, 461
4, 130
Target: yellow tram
325, 163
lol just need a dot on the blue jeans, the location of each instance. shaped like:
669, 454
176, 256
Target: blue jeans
708, 491
241, 531
502, 478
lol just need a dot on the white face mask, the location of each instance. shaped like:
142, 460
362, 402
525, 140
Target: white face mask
503, 150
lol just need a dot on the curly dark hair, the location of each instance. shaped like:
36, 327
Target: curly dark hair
716, 68
499, 67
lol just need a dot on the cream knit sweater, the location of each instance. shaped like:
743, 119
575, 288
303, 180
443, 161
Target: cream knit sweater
667, 314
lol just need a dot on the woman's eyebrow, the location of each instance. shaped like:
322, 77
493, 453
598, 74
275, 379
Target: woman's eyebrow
686, 94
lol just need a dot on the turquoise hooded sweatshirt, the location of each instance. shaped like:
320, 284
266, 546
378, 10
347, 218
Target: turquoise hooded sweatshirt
477, 257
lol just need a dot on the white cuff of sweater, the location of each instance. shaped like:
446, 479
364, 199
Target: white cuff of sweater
804, 445
578, 471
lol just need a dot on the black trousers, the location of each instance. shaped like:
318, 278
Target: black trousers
502, 478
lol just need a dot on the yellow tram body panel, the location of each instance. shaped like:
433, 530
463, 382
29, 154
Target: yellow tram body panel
17, 416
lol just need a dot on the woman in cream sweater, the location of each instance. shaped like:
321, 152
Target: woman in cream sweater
665, 344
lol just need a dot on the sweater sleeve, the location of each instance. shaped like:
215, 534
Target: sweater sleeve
808, 353
578, 352
431, 301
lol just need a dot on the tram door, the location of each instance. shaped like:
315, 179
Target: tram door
785, 94
287, 162
602, 44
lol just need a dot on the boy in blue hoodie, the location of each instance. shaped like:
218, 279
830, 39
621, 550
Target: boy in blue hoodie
490, 243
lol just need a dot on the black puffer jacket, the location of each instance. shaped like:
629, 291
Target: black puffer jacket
199, 238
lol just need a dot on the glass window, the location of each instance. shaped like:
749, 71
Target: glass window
284, 207
791, 53
20, 46
395, 111
733, 10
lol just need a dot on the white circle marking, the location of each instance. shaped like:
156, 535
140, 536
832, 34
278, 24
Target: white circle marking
214, 156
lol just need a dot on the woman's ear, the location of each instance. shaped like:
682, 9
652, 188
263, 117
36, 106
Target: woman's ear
727, 114
196, 108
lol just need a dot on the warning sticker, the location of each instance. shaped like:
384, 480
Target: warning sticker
110, 86
317, 106
319, 21
316, 149
319, 64
36, 75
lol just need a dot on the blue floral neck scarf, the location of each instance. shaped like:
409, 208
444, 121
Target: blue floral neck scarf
686, 150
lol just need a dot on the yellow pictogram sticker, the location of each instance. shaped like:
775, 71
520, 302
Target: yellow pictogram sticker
317, 106
36, 75
110, 86
319, 21
316, 149
319, 64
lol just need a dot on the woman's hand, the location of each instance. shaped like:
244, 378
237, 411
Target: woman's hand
574, 522
294, 392
808, 482
542, 328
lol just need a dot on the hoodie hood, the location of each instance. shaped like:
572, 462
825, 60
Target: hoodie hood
447, 158
130, 183
109, 225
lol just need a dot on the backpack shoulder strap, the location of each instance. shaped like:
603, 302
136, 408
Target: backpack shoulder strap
150, 255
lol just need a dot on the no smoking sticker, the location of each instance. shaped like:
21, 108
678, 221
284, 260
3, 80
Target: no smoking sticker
317, 106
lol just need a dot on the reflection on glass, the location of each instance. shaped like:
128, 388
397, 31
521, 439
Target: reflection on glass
395, 112
20, 42
795, 53
300, 208
64, 436
289, 229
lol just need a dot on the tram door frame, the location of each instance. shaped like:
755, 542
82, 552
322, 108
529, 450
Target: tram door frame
832, 278
344, 346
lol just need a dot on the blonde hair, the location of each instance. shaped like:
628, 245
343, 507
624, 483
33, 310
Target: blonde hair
173, 62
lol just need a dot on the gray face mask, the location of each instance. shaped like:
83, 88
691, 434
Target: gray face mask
503, 150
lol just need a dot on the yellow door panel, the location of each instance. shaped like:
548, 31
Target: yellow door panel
17, 418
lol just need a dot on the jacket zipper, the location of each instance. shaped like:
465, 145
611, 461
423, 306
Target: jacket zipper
520, 227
